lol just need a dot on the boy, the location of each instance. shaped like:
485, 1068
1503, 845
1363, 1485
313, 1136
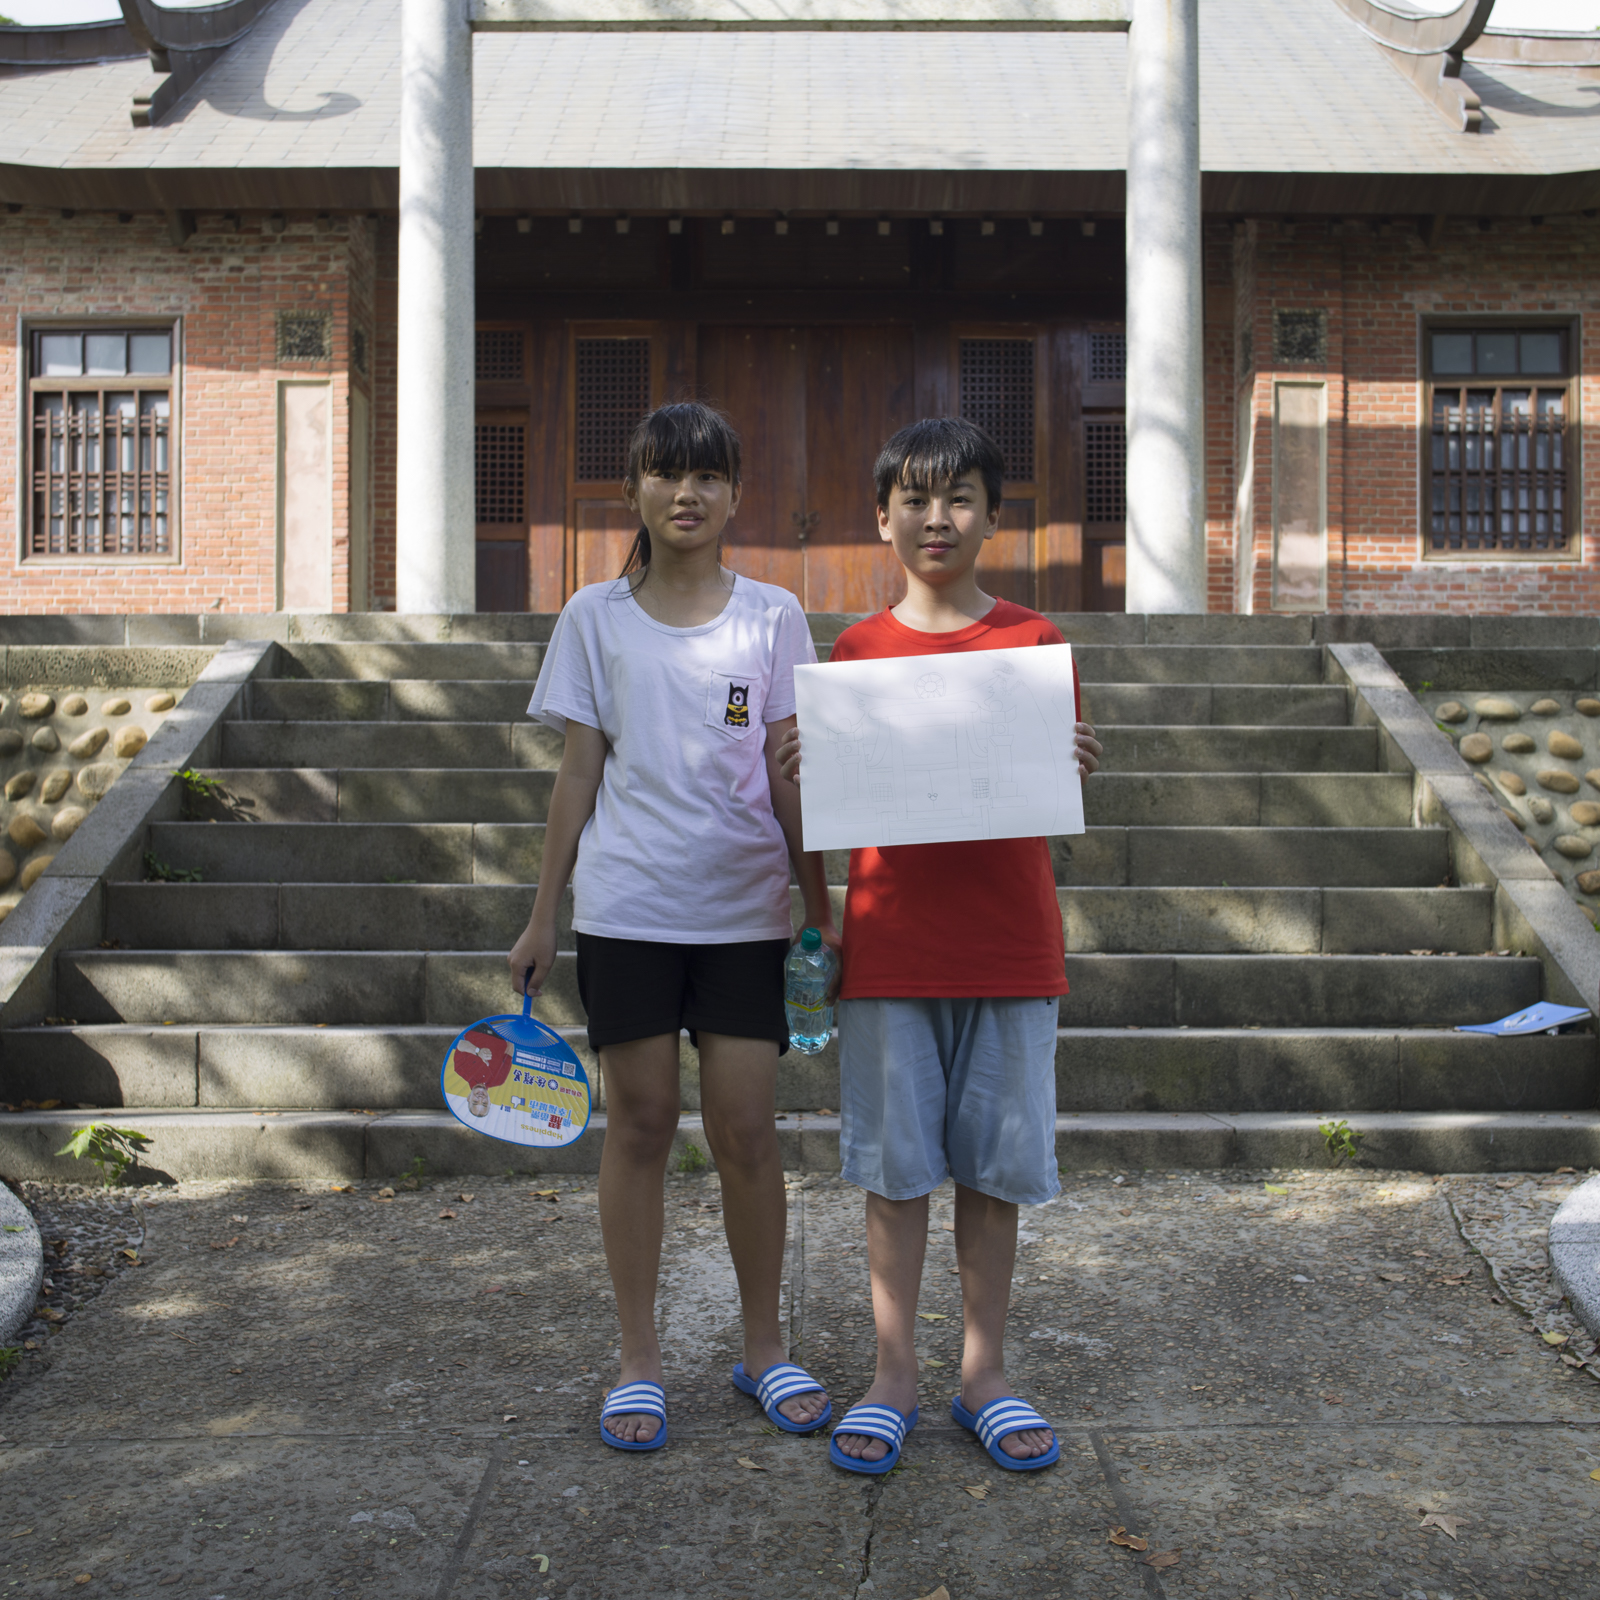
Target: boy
953, 965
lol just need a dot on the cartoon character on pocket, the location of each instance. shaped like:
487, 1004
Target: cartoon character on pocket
738, 712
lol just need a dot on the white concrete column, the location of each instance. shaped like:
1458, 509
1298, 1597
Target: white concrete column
435, 513
1166, 390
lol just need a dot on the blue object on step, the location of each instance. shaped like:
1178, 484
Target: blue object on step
783, 1380
1542, 1018
1006, 1415
633, 1399
876, 1422
513, 1078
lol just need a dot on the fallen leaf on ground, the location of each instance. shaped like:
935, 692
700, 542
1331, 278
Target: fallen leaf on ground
931, 1361
1333, 1400
385, 1193
132, 1255
1163, 1558
933, 1316
947, 1227
1595, 1475
1195, 1388
1128, 1541
50, 1314
23, 1533
1126, 1211
226, 1244
447, 1216
978, 1491
544, 1194
746, 1462
1571, 1361
84, 1577
544, 1562
509, 1417
342, 1188
941, 1593
1554, 1338
1444, 1521
1271, 1188
1393, 1277
466, 1199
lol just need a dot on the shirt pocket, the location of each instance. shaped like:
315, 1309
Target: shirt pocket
734, 702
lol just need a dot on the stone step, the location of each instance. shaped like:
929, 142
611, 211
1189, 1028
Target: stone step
339, 1145
489, 853
506, 700
495, 745
451, 988
1219, 704
458, 916
1097, 1070
509, 795
1225, 664
392, 700
413, 659
474, 745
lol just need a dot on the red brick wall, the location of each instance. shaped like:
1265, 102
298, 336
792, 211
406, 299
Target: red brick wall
386, 296
226, 283
1376, 284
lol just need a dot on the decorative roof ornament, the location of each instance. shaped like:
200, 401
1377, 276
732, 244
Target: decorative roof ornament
1428, 50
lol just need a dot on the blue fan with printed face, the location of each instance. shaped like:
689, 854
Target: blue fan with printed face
513, 1078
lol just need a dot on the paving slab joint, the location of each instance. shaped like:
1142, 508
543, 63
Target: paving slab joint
1532, 911
21, 1263
1575, 1252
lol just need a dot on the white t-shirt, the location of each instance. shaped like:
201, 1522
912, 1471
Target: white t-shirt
683, 847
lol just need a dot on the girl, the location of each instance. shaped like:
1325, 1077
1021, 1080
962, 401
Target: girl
674, 687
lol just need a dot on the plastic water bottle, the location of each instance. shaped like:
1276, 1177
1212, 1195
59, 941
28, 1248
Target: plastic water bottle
806, 976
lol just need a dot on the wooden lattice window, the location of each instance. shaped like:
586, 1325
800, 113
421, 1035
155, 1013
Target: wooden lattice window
1105, 471
102, 451
1499, 479
613, 394
1108, 356
502, 449
997, 392
499, 355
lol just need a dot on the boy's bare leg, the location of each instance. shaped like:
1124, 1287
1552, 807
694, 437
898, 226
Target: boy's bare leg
897, 1240
737, 1080
986, 1252
641, 1079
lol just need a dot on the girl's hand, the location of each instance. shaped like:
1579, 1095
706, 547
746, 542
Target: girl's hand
788, 756
830, 937
537, 949
1089, 750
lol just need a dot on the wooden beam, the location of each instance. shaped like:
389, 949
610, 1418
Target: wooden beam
799, 16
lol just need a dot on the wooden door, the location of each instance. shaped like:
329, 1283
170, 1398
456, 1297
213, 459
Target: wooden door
757, 376
860, 388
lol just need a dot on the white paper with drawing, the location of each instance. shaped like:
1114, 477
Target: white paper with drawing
921, 749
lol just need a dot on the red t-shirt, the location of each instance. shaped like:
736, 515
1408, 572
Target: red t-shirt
977, 917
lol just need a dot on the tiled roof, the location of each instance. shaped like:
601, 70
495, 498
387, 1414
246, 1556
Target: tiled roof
1288, 86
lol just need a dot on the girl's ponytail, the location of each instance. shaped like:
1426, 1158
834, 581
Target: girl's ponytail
686, 436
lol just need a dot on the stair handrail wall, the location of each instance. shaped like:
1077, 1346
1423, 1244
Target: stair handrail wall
65, 908
1532, 910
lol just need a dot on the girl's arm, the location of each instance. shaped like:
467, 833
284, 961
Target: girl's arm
583, 760
808, 864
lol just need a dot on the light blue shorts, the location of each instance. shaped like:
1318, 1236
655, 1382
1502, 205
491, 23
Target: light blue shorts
964, 1089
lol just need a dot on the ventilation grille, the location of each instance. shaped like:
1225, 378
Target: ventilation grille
613, 394
501, 452
1108, 357
1105, 472
305, 335
1300, 338
499, 355
997, 394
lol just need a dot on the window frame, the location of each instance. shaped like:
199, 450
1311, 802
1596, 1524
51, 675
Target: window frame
30, 328
1572, 430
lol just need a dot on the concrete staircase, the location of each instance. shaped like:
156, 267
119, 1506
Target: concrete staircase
1259, 939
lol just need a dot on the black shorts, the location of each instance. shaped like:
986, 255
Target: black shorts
637, 988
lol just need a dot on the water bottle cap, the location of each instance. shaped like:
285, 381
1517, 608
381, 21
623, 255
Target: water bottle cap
810, 939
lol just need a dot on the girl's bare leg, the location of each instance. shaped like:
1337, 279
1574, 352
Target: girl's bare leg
737, 1081
641, 1079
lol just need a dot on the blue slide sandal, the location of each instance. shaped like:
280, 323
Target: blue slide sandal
630, 1399
876, 1422
1003, 1416
783, 1380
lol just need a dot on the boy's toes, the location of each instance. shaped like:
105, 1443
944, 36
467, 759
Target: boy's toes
639, 1428
804, 1408
860, 1446
1027, 1444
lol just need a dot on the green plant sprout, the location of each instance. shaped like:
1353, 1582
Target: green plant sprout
115, 1151
197, 784
1341, 1140
691, 1160
10, 1355
411, 1178
159, 871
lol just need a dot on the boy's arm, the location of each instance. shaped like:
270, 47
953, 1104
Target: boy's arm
583, 760
808, 864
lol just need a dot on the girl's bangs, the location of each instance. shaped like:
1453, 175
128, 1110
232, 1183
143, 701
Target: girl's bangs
685, 438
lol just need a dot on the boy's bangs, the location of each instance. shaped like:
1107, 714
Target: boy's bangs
926, 456
932, 464
684, 438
